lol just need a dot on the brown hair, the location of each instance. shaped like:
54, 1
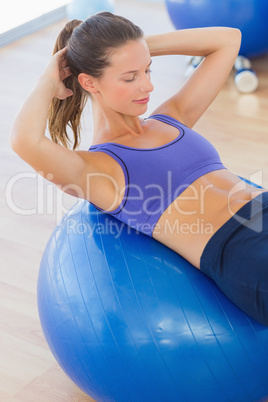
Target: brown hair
89, 47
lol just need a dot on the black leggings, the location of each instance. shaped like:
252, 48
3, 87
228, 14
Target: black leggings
236, 258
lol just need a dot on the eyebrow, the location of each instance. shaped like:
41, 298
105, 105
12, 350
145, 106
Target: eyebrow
135, 71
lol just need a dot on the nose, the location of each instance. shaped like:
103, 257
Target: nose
147, 85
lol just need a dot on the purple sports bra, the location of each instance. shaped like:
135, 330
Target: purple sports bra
155, 177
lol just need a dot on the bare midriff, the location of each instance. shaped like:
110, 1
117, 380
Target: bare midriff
196, 214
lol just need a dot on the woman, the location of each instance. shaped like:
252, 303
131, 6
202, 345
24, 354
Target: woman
155, 174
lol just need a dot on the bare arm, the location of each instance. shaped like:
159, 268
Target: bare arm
219, 46
27, 137
80, 173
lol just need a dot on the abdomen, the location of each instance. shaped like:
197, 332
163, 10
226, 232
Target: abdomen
196, 214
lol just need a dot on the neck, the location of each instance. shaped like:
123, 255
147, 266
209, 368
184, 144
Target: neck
110, 125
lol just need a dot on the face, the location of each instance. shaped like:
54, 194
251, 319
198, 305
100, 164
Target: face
126, 84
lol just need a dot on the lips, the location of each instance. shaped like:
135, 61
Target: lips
144, 100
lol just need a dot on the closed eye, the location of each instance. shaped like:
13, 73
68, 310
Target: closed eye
131, 79
134, 77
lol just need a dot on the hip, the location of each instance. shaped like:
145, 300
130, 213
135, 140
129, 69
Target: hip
236, 258
246, 230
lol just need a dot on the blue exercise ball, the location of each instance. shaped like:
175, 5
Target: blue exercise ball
128, 319
250, 16
83, 9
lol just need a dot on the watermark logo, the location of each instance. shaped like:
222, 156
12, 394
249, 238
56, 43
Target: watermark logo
149, 200
254, 216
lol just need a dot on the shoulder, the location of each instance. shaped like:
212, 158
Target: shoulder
104, 179
169, 108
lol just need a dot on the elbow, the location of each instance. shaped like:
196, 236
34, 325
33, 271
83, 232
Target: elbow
229, 37
17, 144
236, 38
238, 34
232, 40
20, 143
13, 141
14, 136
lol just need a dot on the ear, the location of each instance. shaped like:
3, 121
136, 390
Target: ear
87, 82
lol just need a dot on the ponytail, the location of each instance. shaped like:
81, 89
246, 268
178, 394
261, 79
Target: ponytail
67, 112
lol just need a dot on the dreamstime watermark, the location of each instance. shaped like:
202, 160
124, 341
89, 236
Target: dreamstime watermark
151, 200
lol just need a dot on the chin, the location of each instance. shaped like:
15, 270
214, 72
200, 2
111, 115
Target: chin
141, 109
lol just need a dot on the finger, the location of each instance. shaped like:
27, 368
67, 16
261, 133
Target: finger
62, 51
61, 56
66, 72
69, 92
65, 94
63, 62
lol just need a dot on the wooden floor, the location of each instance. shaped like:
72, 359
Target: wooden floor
30, 208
